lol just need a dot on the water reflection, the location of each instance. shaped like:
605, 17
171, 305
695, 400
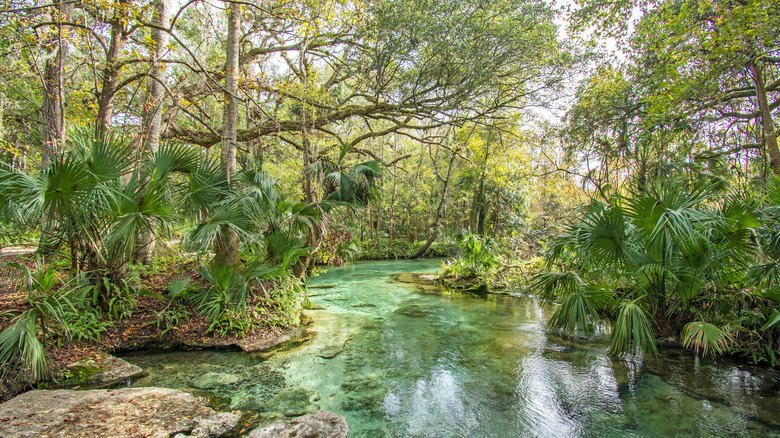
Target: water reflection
401, 359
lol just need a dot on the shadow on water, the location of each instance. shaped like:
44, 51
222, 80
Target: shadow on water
401, 357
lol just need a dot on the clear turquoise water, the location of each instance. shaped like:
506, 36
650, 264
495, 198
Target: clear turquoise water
401, 359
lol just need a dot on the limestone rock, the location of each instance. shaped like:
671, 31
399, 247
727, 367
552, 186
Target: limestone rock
290, 402
250, 345
108, 372
263, 344
213, 380
148, 412
318, 424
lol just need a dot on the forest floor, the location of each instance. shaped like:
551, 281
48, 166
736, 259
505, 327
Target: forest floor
143, 328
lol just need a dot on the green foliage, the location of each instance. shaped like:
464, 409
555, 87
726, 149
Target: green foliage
98, 200
632, 331
20, 344
170, 317
228, 290
671, 245
85, 325
282, 309
576, 313
706, 337
476, 258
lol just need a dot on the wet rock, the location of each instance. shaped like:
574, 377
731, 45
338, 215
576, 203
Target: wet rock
248, 403
322, 286
248, 345
425, 283
106, 372
411, 311
306, 319
263, 344
319, 424
291, 402
214, 380
363, 393
371, 433
331, 351
148, 412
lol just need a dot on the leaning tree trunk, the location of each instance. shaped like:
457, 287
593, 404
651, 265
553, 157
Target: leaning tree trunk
151, 116
766, 118
226, 246
439, 212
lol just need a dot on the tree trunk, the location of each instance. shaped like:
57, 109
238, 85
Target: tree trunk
151, 116
111, 70
226, 247
308, 160
766, 117
477, 215
439, 212
391, 225
53, 116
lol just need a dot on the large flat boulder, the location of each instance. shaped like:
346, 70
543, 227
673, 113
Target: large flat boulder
318, 424
147, 412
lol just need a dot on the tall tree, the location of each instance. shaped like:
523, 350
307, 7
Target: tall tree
53, 111
226, 250
151, 121
151, 113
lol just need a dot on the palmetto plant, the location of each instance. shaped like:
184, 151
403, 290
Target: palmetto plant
19, 342
98, 199
652, 253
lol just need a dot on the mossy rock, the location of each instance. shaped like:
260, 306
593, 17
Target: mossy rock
104, 372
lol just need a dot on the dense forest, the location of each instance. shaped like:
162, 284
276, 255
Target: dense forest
199, 161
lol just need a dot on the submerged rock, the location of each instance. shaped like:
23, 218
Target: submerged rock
363, 393
291, 402
213, 380
147, 412
319, 424
411, 311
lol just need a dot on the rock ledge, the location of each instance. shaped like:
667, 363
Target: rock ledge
147, 412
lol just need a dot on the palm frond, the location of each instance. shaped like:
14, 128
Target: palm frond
19, 345
706, 337
554, 284
230, 217
632, 332
106, 155
576, 313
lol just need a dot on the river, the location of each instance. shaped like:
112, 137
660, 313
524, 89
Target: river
401, 358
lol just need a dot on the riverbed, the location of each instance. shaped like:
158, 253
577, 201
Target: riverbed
399, 357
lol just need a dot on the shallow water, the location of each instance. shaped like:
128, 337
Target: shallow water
401, 359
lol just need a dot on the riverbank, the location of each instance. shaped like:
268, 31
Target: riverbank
150, 318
